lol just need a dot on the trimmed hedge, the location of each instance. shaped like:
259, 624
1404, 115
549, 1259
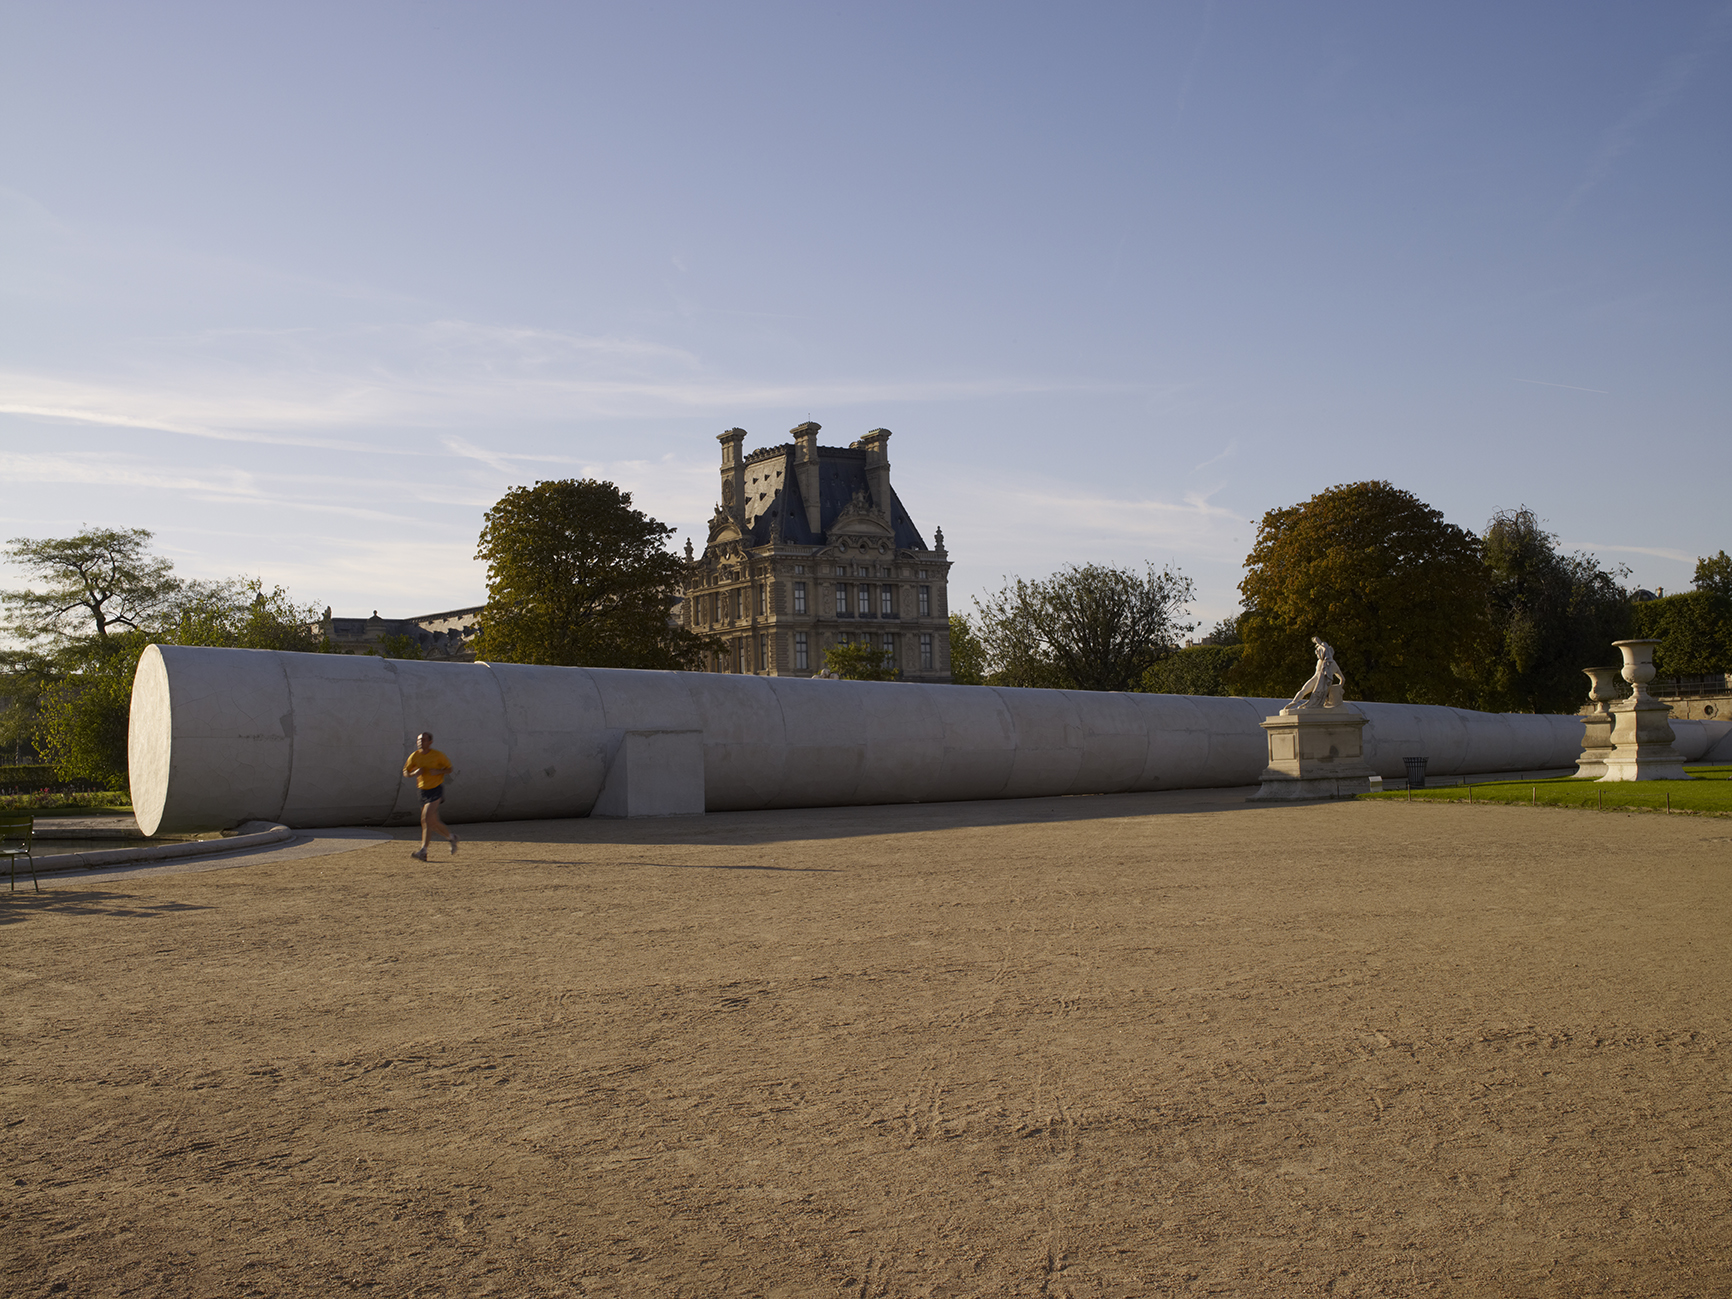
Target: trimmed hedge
36, 777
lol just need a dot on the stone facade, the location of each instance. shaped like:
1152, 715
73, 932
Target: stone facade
1704, 697
447, 637
809, 548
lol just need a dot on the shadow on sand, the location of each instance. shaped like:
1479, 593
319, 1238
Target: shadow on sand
15, 907
783, 825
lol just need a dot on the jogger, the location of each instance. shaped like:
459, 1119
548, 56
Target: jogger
430, 767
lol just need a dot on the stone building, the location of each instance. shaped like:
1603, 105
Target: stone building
449, 636
809, 548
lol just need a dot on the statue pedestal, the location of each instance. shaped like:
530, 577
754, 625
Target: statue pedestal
1315, 753
1642, 742
1596, 746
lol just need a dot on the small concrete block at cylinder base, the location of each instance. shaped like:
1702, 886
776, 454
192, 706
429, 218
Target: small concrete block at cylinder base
1642, 738
655, 773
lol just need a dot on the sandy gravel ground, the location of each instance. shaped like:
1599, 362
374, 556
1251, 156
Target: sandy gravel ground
1139, 1045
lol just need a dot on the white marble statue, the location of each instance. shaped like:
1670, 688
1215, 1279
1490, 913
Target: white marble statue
1324, 689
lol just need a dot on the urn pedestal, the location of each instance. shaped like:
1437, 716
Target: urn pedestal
1641, 725
1315, 753
1596, 746
1597, 725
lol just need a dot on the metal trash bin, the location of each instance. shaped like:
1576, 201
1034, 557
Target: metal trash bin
1415, 772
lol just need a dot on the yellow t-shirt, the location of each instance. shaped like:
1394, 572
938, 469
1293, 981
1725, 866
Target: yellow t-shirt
428, 767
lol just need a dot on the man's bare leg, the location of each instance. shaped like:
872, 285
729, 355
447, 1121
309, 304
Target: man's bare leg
431, 825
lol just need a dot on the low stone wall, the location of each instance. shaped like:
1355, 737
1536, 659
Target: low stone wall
251, 836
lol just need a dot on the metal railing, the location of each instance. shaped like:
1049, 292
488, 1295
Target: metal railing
1714, 683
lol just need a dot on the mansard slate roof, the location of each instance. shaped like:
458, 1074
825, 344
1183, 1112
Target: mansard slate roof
842, 473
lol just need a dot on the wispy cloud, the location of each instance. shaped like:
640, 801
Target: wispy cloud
190, 409
323, 388
1657, 552
1661, 94
103, 471
1232, 449
469, 451
1092, 524
225, 485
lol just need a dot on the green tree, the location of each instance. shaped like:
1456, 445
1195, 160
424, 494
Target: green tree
1087, 627
399, 647
1377, 573
575, 576
104, 597
82, 712
1224, 632
1694, 630
1715, 574
1551, 616
967, 658
95, 600
1194, 670
22, 681
242, 615
102, 580
861, 662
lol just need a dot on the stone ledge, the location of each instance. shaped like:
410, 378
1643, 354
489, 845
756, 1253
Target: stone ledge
269, 833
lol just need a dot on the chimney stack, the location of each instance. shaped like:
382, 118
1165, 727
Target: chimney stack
807, 475
734, 474
877, 448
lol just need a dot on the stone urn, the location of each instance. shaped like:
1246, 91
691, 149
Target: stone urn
1638, 667
1604, 690
1597, 724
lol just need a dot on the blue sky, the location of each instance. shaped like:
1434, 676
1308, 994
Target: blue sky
304, 288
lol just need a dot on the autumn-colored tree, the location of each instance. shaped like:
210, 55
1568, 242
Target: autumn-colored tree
577, 577
1377, 573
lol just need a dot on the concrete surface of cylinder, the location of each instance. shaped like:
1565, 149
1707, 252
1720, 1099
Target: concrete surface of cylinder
220, 736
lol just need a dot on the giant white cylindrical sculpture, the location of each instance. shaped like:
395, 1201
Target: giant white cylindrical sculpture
222, 736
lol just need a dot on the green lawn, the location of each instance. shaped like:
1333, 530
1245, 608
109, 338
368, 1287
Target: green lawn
1709, 792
